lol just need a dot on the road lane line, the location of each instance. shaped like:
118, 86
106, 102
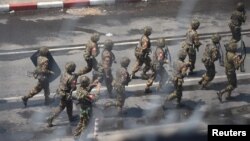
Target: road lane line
121, 43
132, 86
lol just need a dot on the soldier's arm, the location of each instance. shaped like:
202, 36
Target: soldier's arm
87, 51
197, 42
113, 57
243, 16
237, 60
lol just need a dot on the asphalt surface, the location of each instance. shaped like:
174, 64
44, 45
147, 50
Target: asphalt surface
26, 31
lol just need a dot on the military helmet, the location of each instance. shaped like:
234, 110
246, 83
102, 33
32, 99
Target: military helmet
182, 54
84, 81
240, 6
195, 24
70, 67
147, 30
161, 42
95, 37
125, 62
108, 44
216, 38
43, 51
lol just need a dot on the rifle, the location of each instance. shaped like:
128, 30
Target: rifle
243, 54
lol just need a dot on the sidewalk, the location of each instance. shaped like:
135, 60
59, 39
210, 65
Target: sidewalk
21, 5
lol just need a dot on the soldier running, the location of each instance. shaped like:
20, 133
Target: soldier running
41, 73
67, 85
192, 43
210, 55
237, 18
232, 63
108, 58
142, 52
90, 54
85, 100
159, 59
179, 72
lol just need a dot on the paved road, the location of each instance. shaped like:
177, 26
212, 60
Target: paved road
26, 31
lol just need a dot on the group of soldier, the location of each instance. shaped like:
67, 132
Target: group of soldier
102, 71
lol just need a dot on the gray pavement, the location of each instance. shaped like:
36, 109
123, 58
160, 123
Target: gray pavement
26, 31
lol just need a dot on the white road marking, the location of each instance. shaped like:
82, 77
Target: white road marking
133, 85
116, 44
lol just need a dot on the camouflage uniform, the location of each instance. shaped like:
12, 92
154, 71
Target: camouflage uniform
180, 71
159, 59
107, 60
232, 62
210, 55
122, 79
237, 18
41, 73
66, 87
191, 43
85, 100
142, 54
90, 54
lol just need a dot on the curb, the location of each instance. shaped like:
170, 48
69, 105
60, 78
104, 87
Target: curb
60, 4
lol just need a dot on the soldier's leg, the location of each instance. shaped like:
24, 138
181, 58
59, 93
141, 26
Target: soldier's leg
146, 68
57, 111
150, 82
87, 68
232, 84
69, 106
192, 60
120, 98
33, 92
179, 95
163, 78
136, 67
84, 120
109, 86
46, 93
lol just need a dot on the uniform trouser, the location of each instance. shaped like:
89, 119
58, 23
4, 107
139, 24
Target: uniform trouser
108, 79
232, 83
139, 62
91, 63
86, 112
163, 77
209, 75
120, 96
64, 103
236, 32
178, 90
192, 58
41, 85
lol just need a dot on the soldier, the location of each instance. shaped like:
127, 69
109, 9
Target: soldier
142, 52
122, 79
237, 18
232, 62
191, 43
108, 58
210, 55
180, 71
85, 100
159, 59
41, 73
66, 87
90, 54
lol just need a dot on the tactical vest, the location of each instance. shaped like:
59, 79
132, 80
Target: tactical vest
92, 49
122, 77
107, 58
140, 50
177, 68
190, 37
65, 82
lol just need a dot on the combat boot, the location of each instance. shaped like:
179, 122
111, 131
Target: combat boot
219, 94
25, 100
147, 90
229, 97
49, 121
